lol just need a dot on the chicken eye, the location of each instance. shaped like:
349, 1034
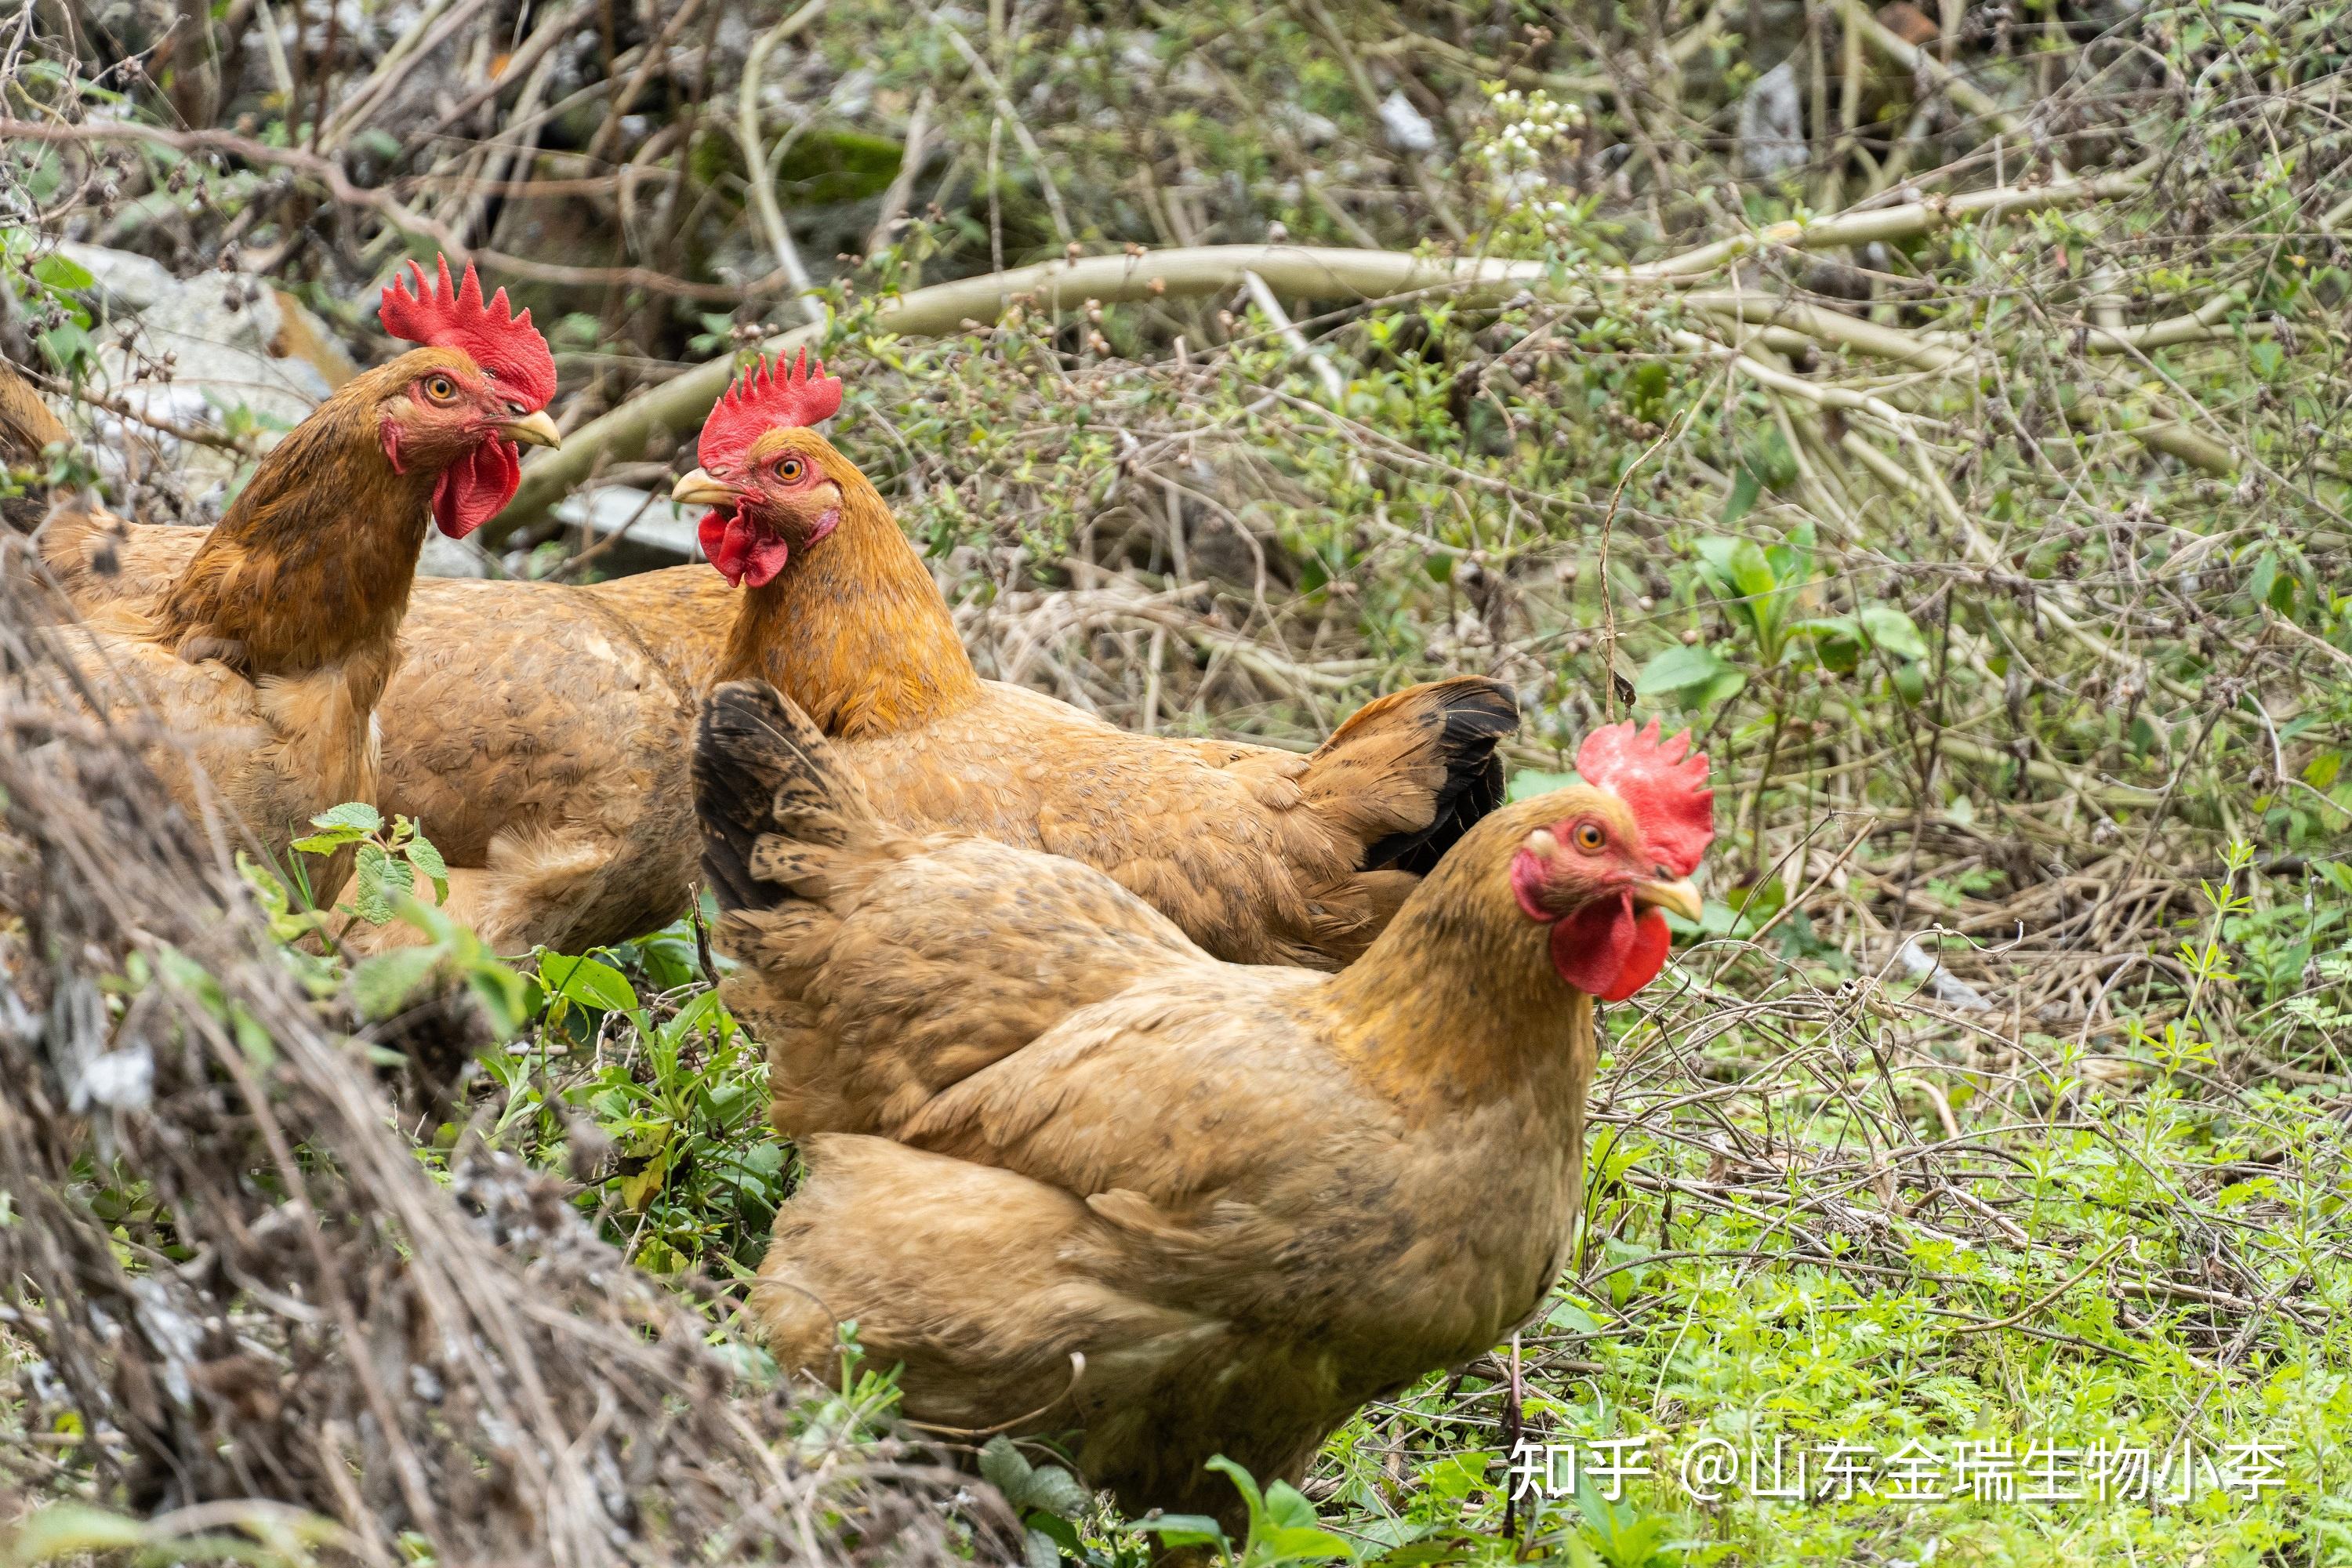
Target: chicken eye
440, 389
515, 406
1588, 837
791, 469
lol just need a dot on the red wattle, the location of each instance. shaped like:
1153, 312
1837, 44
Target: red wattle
744, 552
477, 486
1608, 951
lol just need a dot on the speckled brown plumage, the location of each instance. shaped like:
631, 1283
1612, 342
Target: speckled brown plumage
1073, 1173
530, 728
1263, 856
262, 661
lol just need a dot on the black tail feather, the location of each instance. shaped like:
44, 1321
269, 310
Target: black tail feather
762, 768
1477, 715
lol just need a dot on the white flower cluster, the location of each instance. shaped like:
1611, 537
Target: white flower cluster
1527, 125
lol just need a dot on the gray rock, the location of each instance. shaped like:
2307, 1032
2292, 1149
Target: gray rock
230, 336
1407, 127
1772, 125
446, 557
652, 521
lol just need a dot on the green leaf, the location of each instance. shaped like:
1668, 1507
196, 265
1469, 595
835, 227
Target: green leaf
1678, 670
382, 983
1002, 1465
68, 345
1745, 490
373, 885
588, 981
1837, 640
1183, 1529
1054, 1489
427, 859
357, 815
1286, 1506
62, 272
1244, 1483
1893, 630
2263, 578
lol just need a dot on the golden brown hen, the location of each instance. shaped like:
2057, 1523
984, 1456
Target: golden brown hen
527, 727
264, 659
1262, 856
1073, 1173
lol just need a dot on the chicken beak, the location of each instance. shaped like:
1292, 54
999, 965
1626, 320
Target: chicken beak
699, 488
533, 430
1678, 897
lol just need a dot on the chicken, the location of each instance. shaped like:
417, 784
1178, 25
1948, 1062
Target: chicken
265, 657
528, 730
1261, 856
1072, 1173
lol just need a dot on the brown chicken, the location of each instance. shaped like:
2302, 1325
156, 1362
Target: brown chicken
527, 728
1261, 856
1076, 1176
549, 765
263, 660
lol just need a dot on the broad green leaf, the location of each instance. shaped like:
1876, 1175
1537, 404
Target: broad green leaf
62, 272
1677, 669
1183, 1529
373, 884
426, 858
589, 982
352, 814
1893, 630
1745, 490
1004, 1467
1054, 1489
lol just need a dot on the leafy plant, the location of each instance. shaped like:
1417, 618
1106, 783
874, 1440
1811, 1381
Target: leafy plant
387, 862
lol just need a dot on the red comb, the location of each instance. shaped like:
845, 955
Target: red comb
492, 335
1666, 789
760, 400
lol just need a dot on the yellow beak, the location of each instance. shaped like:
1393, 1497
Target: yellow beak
1679, 898
699, 488
533, 430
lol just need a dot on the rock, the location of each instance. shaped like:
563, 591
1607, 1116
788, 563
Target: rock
245, 356
654, 521
446, 557
1939, 982
1407, 127
1772, 125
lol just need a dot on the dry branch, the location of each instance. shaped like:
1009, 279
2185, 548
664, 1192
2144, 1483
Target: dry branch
1299, 272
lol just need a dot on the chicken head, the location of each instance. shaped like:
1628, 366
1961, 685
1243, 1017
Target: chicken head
468, 397
765, 471
1600, 874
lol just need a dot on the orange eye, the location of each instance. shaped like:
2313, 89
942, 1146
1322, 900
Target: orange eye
440, 389
1588, 837
791, 469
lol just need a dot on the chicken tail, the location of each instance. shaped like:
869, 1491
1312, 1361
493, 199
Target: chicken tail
1411, 772
27, 425
774, 797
